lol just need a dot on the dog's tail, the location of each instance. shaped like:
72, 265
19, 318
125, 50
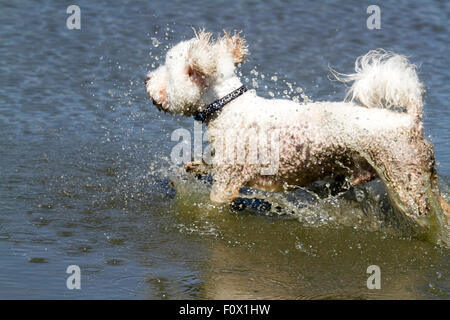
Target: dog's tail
385, 80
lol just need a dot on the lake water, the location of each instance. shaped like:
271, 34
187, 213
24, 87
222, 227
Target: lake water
85, 166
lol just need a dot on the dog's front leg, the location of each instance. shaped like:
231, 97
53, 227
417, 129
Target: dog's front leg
223, 194
225, 188
197, 168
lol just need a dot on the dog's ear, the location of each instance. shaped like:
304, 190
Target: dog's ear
202, 61
236, 44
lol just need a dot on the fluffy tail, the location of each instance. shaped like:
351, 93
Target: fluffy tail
385, 80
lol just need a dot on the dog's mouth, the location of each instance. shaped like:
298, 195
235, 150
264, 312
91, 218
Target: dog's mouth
159, 106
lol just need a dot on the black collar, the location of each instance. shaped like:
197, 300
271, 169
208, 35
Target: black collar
218, 104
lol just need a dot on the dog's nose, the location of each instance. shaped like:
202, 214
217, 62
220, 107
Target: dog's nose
146, 79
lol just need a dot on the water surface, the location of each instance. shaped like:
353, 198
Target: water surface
85, 158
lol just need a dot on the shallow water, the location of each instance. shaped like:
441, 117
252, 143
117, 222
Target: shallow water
85, 158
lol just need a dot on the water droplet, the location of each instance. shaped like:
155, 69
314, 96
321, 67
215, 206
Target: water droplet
155, 42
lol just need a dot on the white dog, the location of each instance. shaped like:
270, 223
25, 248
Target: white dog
373, 138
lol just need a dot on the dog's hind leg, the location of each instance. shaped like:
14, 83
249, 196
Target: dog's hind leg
362, 172
406, 166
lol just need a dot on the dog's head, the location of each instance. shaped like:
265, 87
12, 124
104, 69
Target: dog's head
191, 68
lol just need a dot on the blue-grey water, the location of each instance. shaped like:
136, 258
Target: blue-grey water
85, 164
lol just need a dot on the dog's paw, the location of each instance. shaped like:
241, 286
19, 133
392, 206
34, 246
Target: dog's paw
197, 168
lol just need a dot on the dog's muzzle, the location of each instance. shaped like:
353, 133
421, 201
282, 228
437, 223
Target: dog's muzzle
157, 105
